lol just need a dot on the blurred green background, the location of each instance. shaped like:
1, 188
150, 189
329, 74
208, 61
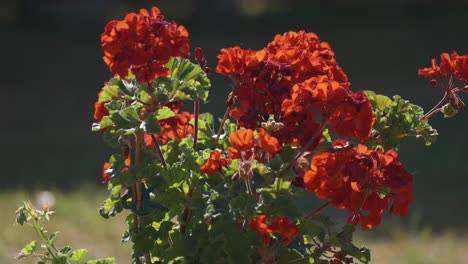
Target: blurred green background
52, 69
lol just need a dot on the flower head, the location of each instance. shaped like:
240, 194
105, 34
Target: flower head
215, 163
143, 42
282, 225
359, 180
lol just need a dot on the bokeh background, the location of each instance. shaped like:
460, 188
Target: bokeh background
51, 68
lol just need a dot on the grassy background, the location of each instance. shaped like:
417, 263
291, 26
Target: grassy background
82, 227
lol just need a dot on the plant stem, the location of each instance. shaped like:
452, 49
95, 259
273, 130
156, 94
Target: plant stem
435, 109
186, 214
40, 232
226, 114
196, 112
137, 188
139, 137
309, 143
148, 258
158, 149
316, 211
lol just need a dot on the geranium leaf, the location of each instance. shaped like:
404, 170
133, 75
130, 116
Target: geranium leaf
150, 125
29, 248
398, 118
101, 261
165, 113
187, 81
78, 255
110, 91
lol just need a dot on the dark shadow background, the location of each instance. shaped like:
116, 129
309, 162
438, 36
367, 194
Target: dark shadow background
51, 70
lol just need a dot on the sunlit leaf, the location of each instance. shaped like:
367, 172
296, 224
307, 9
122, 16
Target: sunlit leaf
187, 81
29, 248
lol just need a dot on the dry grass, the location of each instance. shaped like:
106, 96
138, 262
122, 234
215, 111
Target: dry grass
82, 227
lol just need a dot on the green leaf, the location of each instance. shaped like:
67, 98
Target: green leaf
78, 255
206, 134
126, 119
187, 81
396, 119
287, 154
326, 135
150, 125
29, 248
312, 229
101, 261
287, 255
110, 91
165, 113
236, 245
60, 259
114, 105
112, 205
65, 250
130, 114
51, 239
128, 87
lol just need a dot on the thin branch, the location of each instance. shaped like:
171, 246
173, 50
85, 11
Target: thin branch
314, 137
325, 205
160, 153
136, 188
226, 114
435, 109
196, 112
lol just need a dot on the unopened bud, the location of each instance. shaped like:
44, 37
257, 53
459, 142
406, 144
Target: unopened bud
433, 83
449, 111
301, 165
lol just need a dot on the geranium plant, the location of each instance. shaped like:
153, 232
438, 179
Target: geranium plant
199, 191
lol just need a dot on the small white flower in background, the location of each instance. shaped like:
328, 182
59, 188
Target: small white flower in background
45, 199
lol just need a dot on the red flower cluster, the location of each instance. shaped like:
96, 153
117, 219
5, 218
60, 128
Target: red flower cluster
446, 74
360, 179
350, 114
245, 149
176, 127
281, 225
454, 65
143, 42
264, 82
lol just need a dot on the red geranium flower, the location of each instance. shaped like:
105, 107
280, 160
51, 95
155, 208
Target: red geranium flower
105, 177
267, 142
143, 42
282, 225
361, 180
215, 163
259, 226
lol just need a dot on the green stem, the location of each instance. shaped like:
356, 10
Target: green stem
221, 127
41, 234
